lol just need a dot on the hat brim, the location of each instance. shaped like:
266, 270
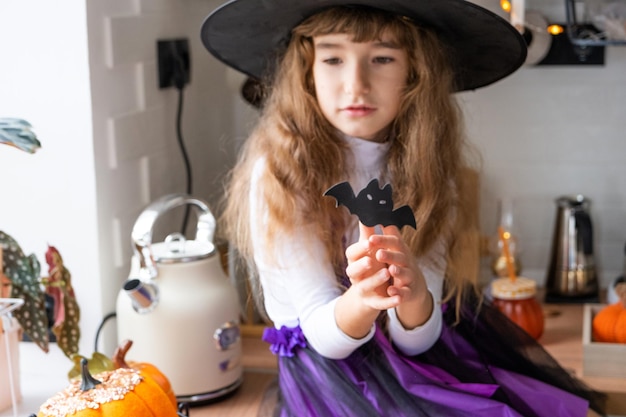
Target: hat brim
246, 34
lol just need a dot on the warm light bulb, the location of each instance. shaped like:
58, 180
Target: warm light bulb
506, 5
555, 29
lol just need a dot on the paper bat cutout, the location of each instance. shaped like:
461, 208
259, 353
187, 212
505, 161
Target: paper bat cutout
373, 205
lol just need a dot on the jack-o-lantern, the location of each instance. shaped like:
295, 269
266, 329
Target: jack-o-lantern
121, 392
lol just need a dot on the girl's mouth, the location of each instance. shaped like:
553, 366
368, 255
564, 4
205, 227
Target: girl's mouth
358, 110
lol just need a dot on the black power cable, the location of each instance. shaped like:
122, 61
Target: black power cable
185, 156
179, 79
106, 318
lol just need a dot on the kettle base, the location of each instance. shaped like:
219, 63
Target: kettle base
572, 299
209, 397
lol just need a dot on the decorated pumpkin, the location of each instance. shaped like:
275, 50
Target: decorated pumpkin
609, 324
121, 392
147, 370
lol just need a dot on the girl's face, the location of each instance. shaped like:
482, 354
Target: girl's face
359, 85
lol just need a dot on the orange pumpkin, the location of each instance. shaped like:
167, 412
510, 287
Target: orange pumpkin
609, 324
146, 369
121, 392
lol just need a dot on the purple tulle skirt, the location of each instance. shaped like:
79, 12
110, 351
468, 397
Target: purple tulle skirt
482, 366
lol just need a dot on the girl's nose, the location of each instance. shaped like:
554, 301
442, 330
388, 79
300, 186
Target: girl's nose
357, 79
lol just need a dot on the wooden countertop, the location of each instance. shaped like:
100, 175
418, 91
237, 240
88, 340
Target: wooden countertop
562, 338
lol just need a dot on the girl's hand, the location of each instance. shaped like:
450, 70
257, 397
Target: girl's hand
358, 307
384, 275
407, 283
367, 274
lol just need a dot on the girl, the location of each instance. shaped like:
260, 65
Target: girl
372, 321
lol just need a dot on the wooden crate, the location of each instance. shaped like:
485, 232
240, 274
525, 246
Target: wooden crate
601, 359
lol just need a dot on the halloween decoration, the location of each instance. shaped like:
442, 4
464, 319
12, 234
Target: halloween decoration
609, 325
373, 205
122, 392
147, 370
246, 34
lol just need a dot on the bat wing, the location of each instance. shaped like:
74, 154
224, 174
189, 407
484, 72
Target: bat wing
344, 195
402, 216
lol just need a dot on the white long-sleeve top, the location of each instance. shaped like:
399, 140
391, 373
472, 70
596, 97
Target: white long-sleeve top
300, 286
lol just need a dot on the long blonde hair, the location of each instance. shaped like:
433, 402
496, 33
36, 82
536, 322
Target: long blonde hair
304, 156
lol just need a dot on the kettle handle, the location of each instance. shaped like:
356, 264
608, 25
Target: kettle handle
142, 230
585, 229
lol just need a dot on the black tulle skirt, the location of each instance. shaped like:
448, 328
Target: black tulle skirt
484, 365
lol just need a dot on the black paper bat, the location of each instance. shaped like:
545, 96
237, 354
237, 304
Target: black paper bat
373, 205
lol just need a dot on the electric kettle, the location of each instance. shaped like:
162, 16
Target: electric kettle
179, 308
571, 275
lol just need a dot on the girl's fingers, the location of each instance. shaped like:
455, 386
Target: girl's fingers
357, 250
365, 231
362, 247
361, 268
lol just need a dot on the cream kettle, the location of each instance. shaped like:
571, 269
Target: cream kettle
179, 308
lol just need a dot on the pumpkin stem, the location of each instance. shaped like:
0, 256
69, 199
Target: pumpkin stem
88, 382
119, 356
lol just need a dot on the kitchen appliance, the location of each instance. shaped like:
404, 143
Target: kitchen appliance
179, 308
571, 275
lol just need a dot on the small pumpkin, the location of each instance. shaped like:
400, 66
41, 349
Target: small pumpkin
609, 324
121, 392
148, 370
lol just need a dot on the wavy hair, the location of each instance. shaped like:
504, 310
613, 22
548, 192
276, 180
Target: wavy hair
304, 156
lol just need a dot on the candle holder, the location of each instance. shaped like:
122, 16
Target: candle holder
498, 264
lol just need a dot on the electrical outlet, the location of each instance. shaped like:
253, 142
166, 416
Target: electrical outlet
173, 63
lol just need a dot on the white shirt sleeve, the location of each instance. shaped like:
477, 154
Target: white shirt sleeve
299, 284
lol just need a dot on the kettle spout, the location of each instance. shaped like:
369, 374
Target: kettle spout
144, 295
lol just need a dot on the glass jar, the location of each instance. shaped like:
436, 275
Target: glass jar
517, 300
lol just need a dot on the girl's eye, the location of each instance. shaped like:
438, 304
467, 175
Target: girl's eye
383, 60
331, 61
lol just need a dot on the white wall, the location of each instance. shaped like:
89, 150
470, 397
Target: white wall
50, 197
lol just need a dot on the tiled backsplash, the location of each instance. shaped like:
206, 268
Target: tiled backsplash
545, 132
